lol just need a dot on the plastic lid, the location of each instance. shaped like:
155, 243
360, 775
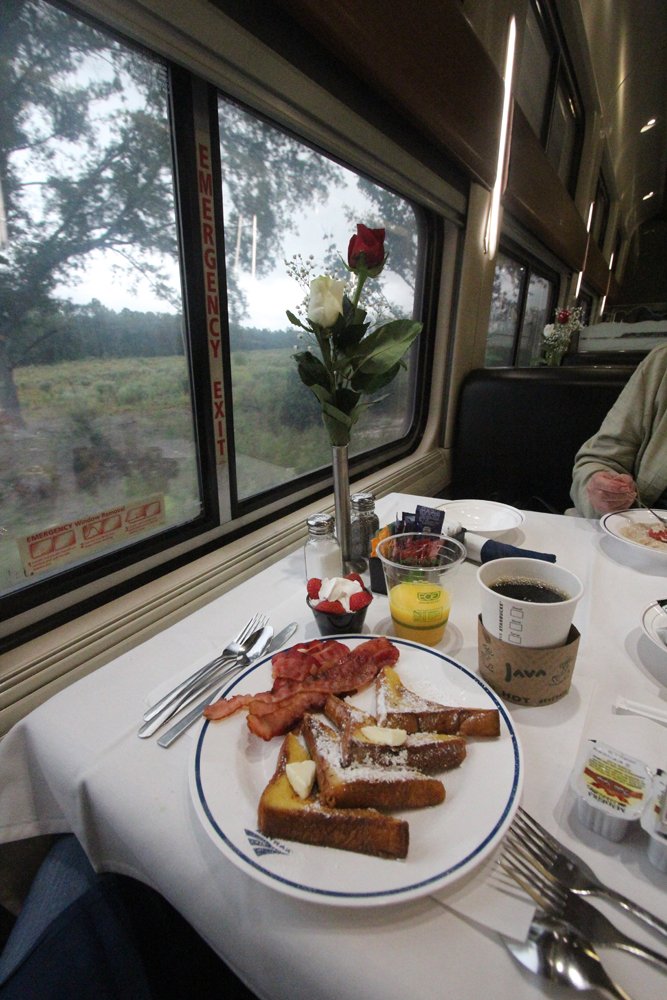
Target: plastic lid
612, 781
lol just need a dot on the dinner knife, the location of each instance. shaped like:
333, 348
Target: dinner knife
172, 734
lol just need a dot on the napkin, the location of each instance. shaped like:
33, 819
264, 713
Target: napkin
483, 550
486, 900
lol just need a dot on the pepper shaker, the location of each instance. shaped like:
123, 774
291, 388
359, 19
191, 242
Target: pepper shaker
364, 524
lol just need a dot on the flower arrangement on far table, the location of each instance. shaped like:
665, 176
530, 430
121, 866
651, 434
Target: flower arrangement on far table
557, 335
353, 361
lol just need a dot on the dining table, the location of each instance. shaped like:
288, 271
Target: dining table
75, 764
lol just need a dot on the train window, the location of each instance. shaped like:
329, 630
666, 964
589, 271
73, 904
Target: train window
521, 305
532, 88
288, 211
97, 439
600, 216
133, 431
547, 92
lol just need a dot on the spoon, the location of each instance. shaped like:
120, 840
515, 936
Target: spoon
260, 636
556, 951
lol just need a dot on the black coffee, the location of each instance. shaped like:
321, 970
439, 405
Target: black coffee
534, 591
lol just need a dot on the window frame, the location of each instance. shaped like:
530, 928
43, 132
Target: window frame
532, 265
561, 74
63, 596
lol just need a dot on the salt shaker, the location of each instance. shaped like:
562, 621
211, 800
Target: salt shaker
322, 551
364, 524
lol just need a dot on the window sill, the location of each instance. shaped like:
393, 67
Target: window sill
32, 673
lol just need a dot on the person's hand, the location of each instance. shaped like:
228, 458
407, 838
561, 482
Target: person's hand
610, 491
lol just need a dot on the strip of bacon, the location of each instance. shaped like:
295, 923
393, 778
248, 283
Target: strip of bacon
273, 713
223, 707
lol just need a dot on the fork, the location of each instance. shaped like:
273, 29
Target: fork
231, 650
570, 871
651, 511
560, 902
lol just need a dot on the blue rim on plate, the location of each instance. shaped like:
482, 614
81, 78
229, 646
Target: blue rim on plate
250, 853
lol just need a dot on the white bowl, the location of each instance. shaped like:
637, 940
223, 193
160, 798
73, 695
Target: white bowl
484, 517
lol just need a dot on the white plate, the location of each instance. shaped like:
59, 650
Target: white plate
485, 517
653, 616
612, 524
230, 768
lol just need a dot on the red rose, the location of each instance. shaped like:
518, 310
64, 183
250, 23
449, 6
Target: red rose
563, 315
370, 243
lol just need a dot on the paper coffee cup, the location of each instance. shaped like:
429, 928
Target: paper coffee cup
527, 623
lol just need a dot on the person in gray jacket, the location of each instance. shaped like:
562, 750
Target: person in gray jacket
627, 457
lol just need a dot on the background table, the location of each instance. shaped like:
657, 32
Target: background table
75, 764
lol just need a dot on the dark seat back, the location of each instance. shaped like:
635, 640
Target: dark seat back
518, 430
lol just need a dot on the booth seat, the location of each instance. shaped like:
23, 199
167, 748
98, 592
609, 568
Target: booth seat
518, 429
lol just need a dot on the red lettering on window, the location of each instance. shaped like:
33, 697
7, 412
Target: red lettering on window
203, 157
215, 345
211, 283
217, 389
211, 329
205, 183
220, 431
209, 258
221, 447
212, 305
207, 230
219, 411
206, 208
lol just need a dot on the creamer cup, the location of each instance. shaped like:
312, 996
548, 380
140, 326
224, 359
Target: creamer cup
527, 623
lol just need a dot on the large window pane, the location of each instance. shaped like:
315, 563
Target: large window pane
504, 318
562, 135
283, 199
535, 318
532, 87
96, 429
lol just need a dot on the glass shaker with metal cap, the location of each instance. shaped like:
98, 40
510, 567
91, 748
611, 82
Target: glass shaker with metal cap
364, 524
322, 551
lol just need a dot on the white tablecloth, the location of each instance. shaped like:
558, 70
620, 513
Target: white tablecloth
76, 764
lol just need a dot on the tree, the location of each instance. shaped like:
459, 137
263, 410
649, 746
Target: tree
85, 167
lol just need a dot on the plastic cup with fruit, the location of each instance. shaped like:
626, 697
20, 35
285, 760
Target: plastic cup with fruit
339, 604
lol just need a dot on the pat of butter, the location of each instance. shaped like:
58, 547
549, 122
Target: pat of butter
301, 777
384, 737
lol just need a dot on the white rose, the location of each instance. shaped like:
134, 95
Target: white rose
326, 300
548, 330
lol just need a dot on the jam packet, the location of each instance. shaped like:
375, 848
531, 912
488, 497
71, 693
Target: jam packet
611, 788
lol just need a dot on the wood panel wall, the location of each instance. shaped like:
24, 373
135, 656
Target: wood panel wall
426, 61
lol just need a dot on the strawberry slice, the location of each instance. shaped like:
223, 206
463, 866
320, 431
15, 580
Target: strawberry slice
331, 607
356, 578
314, 588
359, 601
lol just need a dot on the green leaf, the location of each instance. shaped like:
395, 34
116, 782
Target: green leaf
337, 423
358, 410
345, 399
295, 321
381, 349
371, 383
311, 370
347, 339
323, 395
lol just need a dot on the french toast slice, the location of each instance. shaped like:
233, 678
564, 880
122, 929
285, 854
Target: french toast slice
284, 815
400, 708
427, 752
364, 785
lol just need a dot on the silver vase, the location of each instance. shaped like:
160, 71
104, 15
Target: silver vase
341, 481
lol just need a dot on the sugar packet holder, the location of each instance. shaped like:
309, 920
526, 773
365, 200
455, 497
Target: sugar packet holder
425, 519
